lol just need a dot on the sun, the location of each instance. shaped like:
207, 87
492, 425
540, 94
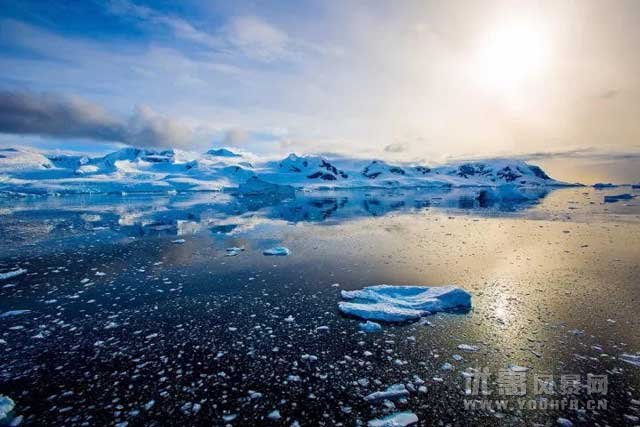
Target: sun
508, 57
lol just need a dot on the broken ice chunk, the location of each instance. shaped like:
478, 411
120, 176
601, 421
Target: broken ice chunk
277, 251
468, 347
633, 359
370, 326
234, 251
6, 406
402, 303
392, 392
10, 274
178, 241
14, 313
399, 419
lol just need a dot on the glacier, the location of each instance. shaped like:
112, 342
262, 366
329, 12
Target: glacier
27, 171
402, 303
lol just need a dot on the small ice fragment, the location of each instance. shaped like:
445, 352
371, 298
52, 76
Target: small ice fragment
392, 392
149, 405
564, 422
178, 241
633, 359
6, 406
277, 251
516, 368
274, 415
229, 418
289, 319
468, 347
10, 274
370, 326
457, 357
234, 251
446, 366
399, 419
14, 313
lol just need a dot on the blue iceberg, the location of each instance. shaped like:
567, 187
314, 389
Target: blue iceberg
402, 303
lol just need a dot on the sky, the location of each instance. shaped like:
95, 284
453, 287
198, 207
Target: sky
553, 82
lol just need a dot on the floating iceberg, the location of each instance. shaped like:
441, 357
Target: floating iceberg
6, 406
10, 274
402, 303
277, 251
399, 419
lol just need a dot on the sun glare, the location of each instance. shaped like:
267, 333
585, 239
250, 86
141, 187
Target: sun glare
508, 57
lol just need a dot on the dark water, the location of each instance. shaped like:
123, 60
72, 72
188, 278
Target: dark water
127, 326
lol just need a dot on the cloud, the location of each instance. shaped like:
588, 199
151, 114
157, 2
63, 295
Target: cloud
235, 137
46, 114
256, 38
398, 147
609, 94
249, 35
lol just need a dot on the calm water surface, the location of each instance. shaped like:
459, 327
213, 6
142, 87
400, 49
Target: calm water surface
126, 326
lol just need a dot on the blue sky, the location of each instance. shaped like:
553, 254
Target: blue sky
408, 81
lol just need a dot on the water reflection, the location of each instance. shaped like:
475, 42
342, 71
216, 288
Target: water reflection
220, 213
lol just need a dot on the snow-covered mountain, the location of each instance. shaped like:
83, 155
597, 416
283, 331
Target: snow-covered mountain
28, 171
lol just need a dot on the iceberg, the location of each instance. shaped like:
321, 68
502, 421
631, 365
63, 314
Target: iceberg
402, 303
399, 419
277, 251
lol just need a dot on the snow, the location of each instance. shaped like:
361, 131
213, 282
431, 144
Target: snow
399, 419
402, 303
276, 251
6, 406
10, 274
130, 170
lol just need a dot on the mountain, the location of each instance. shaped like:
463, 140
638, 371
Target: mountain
223, 152
28, 171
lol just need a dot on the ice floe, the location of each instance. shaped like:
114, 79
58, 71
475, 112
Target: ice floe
402, 303
399, 419
277, 251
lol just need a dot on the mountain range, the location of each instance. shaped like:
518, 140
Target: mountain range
29, 171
